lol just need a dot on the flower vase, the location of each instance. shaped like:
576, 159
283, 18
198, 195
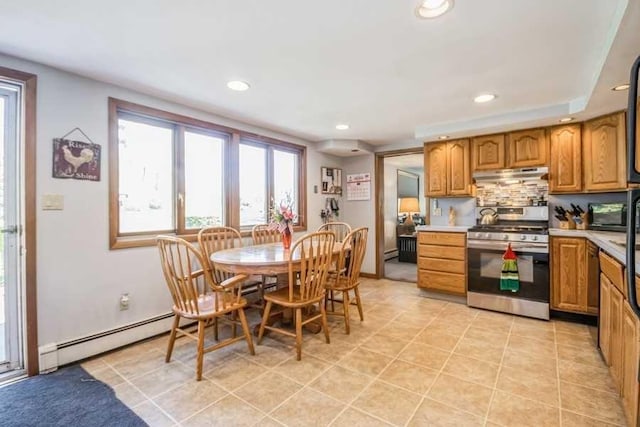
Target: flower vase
286, 238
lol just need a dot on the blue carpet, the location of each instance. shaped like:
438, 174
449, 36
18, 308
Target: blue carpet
67, 397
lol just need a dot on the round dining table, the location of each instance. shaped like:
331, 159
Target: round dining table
267, 259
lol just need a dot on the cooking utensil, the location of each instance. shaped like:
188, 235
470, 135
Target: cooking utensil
488, 216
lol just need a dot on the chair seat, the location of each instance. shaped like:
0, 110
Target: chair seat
281, 297
340, 284
206, 307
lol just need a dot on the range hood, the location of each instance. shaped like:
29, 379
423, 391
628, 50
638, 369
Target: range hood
510, 176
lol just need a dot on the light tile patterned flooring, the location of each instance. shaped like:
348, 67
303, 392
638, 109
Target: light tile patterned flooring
413, 361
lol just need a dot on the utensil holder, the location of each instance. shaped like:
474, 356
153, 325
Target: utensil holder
569, 224
584, 225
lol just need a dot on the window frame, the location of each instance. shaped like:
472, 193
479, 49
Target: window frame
231, 164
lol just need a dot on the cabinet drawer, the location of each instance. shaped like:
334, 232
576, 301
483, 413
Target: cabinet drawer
445, 282
442, 252
445, 265
444, 239
614, 271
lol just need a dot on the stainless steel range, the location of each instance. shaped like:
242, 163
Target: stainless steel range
526, 228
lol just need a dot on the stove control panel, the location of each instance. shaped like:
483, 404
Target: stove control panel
509, 237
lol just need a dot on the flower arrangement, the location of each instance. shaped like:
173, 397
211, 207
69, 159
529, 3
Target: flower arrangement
283, 216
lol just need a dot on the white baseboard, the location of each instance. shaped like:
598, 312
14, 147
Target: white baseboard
81, 348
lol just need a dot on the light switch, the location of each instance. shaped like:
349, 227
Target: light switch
437, 212
52, 202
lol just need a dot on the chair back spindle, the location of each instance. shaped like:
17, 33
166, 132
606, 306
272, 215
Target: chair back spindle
340, 229
263, 233
316, 253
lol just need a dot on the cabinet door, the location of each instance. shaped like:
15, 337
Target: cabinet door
568, 274
630, 354
565, 165
458, 174
604, 153
435, 169
604, 329
616, 301
527, 148
488, 152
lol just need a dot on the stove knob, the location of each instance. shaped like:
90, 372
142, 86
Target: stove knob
523, 237
505, 237
534, 238
487, 236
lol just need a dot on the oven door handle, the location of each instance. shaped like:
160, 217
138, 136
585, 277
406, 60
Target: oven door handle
502, 246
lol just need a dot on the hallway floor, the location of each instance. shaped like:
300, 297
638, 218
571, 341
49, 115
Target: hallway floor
400, 271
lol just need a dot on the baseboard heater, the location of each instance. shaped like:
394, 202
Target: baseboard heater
66, 352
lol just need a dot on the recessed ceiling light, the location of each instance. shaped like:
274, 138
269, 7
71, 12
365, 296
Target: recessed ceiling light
355, 150
238, 85
443, 137
485, 97
342, 127
566, 119
433, 8
621, 87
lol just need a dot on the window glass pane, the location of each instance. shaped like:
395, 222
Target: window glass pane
285, 177
204, 184
145, 159
253, 185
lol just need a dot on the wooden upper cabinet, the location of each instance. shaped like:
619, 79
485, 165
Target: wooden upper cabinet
604, 153
527, 148
565, 165
435, 169
458, 174
568, 274
488, 152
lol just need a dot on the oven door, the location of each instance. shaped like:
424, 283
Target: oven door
485, 265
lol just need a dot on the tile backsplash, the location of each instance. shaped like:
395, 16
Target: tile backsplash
516, 193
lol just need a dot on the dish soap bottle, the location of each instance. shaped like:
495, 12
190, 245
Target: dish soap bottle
452, 216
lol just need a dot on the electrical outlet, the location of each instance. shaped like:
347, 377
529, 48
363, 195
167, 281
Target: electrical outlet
124, 302
437, 212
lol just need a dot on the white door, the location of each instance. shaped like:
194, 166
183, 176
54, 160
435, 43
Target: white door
11, 290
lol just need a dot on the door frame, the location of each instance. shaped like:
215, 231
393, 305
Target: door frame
379, 200
29, 85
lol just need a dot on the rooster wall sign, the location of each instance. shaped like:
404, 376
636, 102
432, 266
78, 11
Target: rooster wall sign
76, 159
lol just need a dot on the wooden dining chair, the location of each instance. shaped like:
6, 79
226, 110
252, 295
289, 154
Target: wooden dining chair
341, 229
198, 296
263, 233
307, 279
346, 278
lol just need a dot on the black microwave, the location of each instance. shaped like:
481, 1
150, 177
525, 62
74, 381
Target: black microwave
608, 216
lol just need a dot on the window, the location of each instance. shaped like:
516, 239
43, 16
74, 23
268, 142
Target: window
174, 175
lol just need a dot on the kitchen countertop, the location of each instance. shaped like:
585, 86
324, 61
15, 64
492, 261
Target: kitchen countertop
449, 228
604, 239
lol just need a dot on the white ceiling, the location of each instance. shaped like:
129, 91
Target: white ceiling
369, 63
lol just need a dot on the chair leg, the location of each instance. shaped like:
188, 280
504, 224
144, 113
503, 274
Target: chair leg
215, 329
333, 307
201, 326
172, 338
234, 319
356, 290
345, 311
247, 332
299, 333
325, 326
265, 319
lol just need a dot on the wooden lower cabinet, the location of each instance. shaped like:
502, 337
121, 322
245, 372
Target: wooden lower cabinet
442, 262
616, 301
630, 357
569, 274
619, 333
604, 329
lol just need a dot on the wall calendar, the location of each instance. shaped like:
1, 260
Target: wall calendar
359, 186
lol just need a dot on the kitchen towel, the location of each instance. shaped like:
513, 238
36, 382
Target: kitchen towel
509, 278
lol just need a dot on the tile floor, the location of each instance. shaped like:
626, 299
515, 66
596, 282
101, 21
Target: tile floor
413, 361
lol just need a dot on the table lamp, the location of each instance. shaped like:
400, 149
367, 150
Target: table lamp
409, 205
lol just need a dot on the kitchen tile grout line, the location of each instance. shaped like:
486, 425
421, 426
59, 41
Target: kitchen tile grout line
390, 362
495, 383
424, 395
